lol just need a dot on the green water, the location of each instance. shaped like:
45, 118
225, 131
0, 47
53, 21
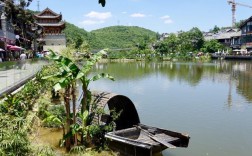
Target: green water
210, 101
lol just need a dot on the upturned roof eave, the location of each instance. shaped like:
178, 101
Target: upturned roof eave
38, 16
51, 25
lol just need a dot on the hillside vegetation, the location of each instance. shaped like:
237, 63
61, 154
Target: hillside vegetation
77, 36
109, 37
123, 36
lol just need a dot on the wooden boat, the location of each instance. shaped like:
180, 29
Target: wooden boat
130, 137
145, 140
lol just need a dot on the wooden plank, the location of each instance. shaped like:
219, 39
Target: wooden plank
165, 137
160, 140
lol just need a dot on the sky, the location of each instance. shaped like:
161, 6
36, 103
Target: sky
162, 16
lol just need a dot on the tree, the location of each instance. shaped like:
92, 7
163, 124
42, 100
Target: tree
102, 2
238, 24
143, 43
211, 46
161, 48
24, 3
196, 38
172, 43
20, 19
185, 44
216, 29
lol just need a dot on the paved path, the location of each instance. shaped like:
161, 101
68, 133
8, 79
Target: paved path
15, 74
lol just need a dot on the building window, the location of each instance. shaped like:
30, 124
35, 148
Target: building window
249, 28
244, 30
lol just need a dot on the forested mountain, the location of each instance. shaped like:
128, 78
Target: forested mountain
109, 37
123, 36
77, 36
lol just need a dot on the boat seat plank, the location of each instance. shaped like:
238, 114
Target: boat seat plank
146, 139
165, 137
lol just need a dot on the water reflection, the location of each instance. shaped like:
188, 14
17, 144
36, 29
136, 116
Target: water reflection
235, 74
211, 101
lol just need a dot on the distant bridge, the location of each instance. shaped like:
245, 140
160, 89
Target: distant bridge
112, 49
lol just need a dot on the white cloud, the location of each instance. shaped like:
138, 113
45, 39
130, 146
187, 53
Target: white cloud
138, 15
167, 19
91, 22
99, 15
124, 12
94, 18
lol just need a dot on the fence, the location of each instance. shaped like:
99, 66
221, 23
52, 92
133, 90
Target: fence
14, 74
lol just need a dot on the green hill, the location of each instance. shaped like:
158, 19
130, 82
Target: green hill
109, 37
123, 36
77, 35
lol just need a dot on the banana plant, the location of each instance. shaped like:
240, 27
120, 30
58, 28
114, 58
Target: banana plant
53, 119
82, 75
86, 99
67, 76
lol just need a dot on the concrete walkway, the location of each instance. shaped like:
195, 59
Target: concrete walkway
13, 75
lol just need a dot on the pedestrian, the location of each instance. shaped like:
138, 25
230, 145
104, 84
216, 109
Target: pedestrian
22, 60
23, 56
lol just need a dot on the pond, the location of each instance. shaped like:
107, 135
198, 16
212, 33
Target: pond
210, 101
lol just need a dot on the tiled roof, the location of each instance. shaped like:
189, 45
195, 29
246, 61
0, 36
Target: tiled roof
224, 34
47, 9
228, 35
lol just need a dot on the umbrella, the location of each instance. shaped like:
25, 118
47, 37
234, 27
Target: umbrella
2, 49
15, 48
